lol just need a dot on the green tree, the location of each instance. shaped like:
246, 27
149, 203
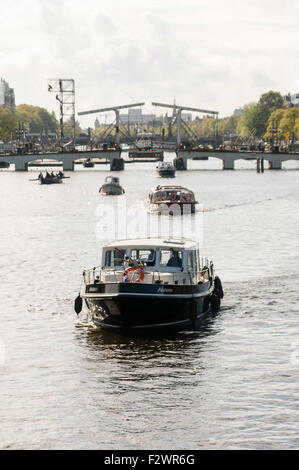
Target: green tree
252, 121
8, 124
228, 125
296, 127
274, 128
36, 119
288, 121
270, 101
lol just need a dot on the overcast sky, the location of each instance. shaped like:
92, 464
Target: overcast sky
212, 54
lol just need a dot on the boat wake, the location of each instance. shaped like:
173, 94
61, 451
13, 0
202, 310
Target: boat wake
251, 203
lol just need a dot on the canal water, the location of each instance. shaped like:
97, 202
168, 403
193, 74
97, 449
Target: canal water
232, 384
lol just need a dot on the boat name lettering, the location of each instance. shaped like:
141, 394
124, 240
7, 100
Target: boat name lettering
162, 290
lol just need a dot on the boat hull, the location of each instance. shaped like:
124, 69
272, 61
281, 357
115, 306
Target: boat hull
166, 173
172, 208
111, 190
50, 181
148, 306
88, 165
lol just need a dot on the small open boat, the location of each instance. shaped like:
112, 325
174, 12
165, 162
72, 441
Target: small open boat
88, 163
54, 180
166, 170
50, 178
111, 187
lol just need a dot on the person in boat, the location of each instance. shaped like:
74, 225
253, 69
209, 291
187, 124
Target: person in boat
60, 174
53, 174
40, 176
48, 174
174, 261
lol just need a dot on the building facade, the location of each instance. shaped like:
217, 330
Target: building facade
7, 96
238, 111
135, 116
291, 101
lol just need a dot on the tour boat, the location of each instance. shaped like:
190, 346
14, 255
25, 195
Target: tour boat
171, 200
149, 283
111, 187
166, 170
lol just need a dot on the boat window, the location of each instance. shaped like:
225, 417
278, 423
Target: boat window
159, 196
171, 258
192, 261
145, 255
186, 197
114, 258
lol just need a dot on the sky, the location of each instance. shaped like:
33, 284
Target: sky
211, 54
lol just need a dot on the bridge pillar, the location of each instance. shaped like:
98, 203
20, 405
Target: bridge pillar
21, 164
228, 164
117, 164
275, 164
67, 163
180, 163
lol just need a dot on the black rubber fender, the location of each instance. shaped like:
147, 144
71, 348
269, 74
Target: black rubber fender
78, 304
218, 286
215, 301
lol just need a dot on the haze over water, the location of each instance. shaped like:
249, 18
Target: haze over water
231, 384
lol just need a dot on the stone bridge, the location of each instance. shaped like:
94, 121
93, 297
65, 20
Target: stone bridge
229, 157
67, 159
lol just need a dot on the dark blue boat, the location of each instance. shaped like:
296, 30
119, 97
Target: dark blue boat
51, 179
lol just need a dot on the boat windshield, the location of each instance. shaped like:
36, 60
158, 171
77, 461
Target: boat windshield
116, 258
143, 254
112, 179
172, 196
171, 258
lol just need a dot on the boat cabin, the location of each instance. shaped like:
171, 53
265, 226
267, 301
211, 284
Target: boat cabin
171, 194
161, 261
165, 166
111, 180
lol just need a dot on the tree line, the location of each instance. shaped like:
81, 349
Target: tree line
265, 119
32, 119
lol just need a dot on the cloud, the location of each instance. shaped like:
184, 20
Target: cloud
213, 54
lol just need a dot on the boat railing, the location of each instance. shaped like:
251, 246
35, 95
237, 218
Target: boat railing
98, 275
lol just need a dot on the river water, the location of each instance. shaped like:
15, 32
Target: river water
231, 384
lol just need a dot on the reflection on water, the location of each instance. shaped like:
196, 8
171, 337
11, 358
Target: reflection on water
232, 383
142, 343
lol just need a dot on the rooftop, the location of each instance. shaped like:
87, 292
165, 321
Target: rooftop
182, 243
171, 188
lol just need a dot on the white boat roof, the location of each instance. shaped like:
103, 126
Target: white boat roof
179, 243
171, 188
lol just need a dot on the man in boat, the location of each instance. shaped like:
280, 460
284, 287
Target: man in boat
60, 174
40, 176
47, 174
174, 261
